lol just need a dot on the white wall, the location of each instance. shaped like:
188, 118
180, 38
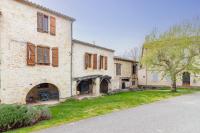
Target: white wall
148, 78
79, 70
78, 61
18, 26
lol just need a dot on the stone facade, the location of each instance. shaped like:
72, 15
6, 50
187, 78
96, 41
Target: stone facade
154, 78
127, 79
79, 71
18, 25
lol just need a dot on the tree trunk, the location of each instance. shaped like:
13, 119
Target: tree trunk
174, 87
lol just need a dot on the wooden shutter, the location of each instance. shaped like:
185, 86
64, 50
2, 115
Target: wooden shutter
95, 61
30, 54
40, 22
101, 62
86, 60
55, 55
106, 62
52, 26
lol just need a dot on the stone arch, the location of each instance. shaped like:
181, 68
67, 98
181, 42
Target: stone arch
85, 86
42, 92
105, 85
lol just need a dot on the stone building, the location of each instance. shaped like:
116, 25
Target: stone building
125, 72
149, 77
92, 68
40, 61
35, 55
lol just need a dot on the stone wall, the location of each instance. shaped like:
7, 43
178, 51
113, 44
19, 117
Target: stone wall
79, 50
126, 72
18, 25
154, 78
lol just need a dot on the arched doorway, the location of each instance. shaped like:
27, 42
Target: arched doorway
42, 92
104, 86
123, 85
186, 79
85, 87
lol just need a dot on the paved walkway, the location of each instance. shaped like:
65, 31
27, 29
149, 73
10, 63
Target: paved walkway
176, 115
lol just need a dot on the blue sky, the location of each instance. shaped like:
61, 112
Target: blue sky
122, 24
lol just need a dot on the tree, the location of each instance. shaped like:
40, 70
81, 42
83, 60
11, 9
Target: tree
174, 51
132, 54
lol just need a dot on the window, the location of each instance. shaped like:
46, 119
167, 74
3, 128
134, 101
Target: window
118, 69
133, 83
43, 24
154, 77
43, 55
134, 69
103, 62
88, 60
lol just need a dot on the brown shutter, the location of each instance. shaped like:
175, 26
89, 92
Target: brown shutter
86, 60
95, 61
55, 55
30, 54
52, 26
40, 22
106, 62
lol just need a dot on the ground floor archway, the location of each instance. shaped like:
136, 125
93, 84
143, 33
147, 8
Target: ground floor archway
42, 92
85, 87
104, 86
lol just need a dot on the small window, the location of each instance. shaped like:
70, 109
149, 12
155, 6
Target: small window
43, 55
154, 77
118, 69
88, 60
134, 69
103, 64
42, 23
133, 83
45, 24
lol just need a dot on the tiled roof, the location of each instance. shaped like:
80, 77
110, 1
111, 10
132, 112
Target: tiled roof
124, 59
92, 45
27, 2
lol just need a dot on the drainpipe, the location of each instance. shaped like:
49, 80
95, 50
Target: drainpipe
71, 57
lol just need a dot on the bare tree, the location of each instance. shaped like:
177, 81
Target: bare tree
133, 54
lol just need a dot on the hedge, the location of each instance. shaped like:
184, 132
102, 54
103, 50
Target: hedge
16, 116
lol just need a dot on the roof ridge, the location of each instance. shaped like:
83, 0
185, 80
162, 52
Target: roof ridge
93, 45
28, 2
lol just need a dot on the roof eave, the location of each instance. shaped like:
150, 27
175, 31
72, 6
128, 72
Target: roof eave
46, 9
92, 45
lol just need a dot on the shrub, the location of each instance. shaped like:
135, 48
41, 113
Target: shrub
16, 116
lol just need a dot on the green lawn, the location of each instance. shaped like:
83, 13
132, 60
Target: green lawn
73, 110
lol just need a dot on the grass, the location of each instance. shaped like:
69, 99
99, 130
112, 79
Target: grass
73, 110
